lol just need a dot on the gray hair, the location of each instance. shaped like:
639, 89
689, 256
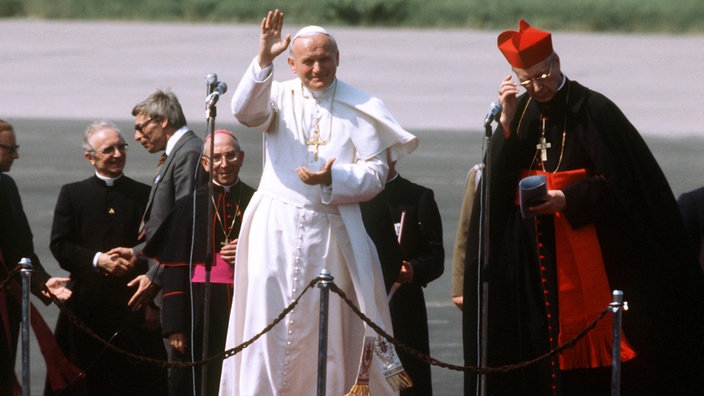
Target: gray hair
95, 127
162, 104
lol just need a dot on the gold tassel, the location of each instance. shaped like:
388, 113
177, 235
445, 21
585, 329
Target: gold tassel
359, 390
391, 365
361, 384
400, 381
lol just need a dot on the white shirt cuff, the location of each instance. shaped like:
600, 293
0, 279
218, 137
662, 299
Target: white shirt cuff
95, 260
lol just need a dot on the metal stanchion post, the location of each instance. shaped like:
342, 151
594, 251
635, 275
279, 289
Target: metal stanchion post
26, 272
325, 279
617, 308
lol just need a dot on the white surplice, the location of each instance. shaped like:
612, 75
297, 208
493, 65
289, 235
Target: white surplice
291, 231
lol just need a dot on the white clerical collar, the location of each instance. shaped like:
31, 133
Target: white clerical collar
174, 139
320, 94
109, 181
227, 188
393, 178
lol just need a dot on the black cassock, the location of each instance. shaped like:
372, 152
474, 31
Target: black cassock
15, 243
92, 217
179, 249
626, 197
422, 247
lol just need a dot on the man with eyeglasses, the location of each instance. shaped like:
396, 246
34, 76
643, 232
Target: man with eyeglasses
183, 253
16, 242
608, 221
160, 125
92, 217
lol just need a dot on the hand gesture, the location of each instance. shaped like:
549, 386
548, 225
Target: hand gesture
323, 176
507, 97
114, 264
57, 287
146, 291
270, 43
123, 252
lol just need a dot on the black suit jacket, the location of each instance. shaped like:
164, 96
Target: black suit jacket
177, 178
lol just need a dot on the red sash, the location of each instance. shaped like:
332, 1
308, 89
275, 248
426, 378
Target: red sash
583, 288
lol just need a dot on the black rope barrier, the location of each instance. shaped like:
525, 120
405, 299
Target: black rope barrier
334, 288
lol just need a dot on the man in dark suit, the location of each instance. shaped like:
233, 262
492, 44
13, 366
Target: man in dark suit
91, 217
418, 227
184, 253
691, 206
160, 125
16, 242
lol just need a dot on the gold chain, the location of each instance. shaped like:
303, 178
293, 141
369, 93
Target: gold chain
564, 134
315, 138
234, 218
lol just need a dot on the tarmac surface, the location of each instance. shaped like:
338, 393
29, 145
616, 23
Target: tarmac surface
56, 77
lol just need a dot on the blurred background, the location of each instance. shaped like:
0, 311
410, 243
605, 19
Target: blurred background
435, 64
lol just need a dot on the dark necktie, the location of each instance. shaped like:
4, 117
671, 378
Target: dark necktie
161, 160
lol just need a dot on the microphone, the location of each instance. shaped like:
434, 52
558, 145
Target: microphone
210, 81
219, 89
493, 113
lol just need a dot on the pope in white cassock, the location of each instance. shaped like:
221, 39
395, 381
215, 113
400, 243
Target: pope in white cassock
327, 145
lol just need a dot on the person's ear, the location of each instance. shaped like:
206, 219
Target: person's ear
292, 64
89, 157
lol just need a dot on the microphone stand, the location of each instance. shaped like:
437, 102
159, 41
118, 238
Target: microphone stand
483, 267
211, 114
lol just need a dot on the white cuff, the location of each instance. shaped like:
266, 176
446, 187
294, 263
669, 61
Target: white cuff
260, 74
95, 260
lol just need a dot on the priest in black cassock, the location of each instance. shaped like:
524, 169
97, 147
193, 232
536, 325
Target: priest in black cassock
409, 263
608, 221
91, 217
16, 242
183, 253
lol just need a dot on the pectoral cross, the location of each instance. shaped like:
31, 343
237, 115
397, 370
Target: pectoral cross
543, 144
315, 140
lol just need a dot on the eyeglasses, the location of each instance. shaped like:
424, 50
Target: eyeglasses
538, 79
229, 157
140, 127
11, 149
110, 150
